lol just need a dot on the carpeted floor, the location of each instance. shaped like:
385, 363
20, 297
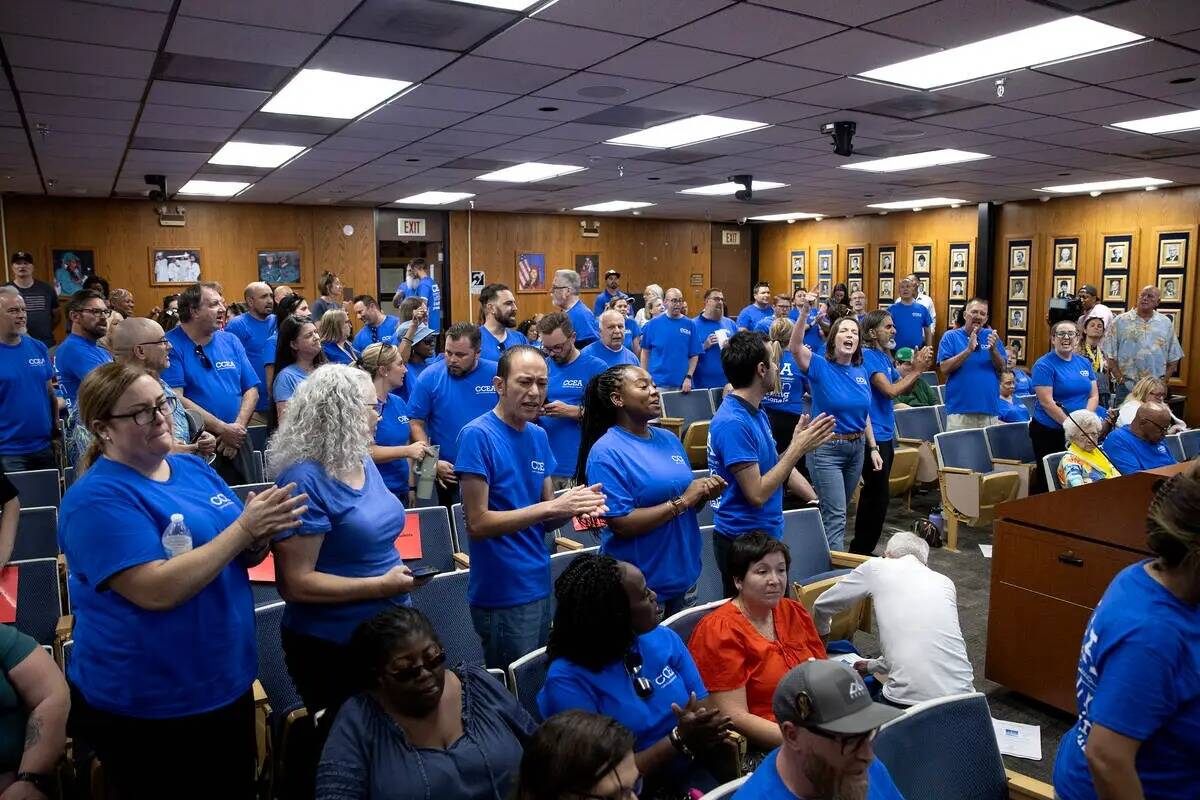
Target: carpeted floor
971, 573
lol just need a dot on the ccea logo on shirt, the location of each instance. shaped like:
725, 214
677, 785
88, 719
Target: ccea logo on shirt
860, 379
225, 365
1083, 372
402, 419
538, 467
572, 384
37, 362
678, 459
488, 389
685, 331
219, 500
665, 678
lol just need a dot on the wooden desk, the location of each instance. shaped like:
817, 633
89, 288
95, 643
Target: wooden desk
1053, 556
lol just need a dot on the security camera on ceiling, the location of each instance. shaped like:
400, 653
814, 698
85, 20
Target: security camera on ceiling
747, 184
158, 194
843, 136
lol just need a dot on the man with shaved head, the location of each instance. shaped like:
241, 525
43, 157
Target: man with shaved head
1139, 445
1141, 343
254, 329
610, 347
669, 352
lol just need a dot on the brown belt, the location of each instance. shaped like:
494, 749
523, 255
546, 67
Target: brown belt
849, 437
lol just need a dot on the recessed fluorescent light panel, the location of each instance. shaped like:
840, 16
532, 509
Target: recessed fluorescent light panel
730, 188
928, 202
687, 131
334, 95
1105, 186
213, 188
934, 158
434, 198
791, 215
612, 205
245, 154
1169, 123
529, 172
1061, 40
504, 5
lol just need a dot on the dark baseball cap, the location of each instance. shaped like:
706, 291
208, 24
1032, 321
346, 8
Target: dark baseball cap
829, 696
1088, 289
21, 255
612, 272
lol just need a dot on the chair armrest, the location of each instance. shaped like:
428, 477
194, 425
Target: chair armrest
913, 443
1022, 787
847, 560
64, 628
672, 424
956, 471
462, 561
564, 544
1012, 462
260, 694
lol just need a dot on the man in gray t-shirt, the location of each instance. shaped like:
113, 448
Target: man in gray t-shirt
41, 303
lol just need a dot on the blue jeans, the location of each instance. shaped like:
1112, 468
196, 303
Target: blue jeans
40, 459
671, 606
834, 469
509, 633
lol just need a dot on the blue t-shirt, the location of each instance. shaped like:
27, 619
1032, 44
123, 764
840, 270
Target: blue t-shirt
384, 332
566, 386
813, 338
973, 388
765, 783
666, 663
415, 370
763, 326
393, 431
25, 372
1024, 383
911, 320
336, 355
1012, 412
640, 473
1130, 454
217, 388
74, 359
1071, 380
740, 434
841, 390
632, 331
513, 569
190, 659
489, 345
254, 334
446, 403
610, 358
584, 322
286, 382
670, 342
1139, 676
792, 388
432, 293
749, 316
603, 299
883, 416
360, 527
709, 373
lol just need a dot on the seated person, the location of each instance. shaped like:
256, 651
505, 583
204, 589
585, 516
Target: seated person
746, 646
577, 754
921, 393
1147, 390
1023, 380
1084, 462
916, 612
827, 722
608, 655
1139, 445
1010, 411
420, 730
36, 699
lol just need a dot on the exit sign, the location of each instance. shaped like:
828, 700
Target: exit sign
731, 237
411, 227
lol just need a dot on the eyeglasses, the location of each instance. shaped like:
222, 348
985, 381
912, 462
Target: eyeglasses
406, 674
204, 362
377, 406
622, 792
633, 666
144, 416
100, 312
556, 288
849, 743
162, 342
1163, 428
1066, 335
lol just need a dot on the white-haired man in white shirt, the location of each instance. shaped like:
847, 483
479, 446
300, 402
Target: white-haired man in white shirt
924, 655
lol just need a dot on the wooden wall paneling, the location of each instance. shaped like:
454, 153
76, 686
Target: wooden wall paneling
729, 270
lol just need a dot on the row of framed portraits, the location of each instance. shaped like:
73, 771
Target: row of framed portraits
920, 262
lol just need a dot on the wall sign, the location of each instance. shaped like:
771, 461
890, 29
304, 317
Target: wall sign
731, 237
478, 281
407, 226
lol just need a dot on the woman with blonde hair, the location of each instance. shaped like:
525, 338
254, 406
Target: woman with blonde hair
340, 566
1147, 390
785, 404
1084, 461
335, 330
164, 654
330, 289
647, 312
391, 451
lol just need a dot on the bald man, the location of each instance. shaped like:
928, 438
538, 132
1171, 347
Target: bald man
1141, 343
282, 291
254, 329
141, 342
610, 347
1139, 445
669, 353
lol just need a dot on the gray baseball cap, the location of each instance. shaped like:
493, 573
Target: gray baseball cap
422, 333
830, 696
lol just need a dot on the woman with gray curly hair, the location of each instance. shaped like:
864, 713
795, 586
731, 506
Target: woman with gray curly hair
340, 566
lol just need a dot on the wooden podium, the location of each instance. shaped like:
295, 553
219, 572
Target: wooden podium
1053, 556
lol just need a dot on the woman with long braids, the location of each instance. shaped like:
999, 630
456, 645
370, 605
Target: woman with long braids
879, 340
608, 655
652, 496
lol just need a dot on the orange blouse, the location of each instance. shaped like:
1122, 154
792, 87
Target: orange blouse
730, 653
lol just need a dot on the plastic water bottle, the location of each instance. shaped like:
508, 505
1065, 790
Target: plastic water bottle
177, 539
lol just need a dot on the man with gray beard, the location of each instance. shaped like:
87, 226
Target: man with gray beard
828, 722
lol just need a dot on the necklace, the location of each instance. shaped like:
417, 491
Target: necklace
767, 631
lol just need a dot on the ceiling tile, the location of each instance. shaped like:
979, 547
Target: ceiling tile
83, 22
765, 78
160, 130
76, 85
83, 106
774, 111
115, 127
1074, 100
180, 115
379, 59
1126, 111
846, 12
1151, 17
847, 93
1189, 39
497, 123
1018, 85
214, 39
564, 110
749, 30
1127, 62
949, 23
593, 87
220, 72
196, 95
667, 62
426, 23
981, 117
313, 16
402, 114
449, 98
535, 41
493, 74
633, 17
90, 59
852, 52
1159, 84
693, 100
1039, 127
258, 136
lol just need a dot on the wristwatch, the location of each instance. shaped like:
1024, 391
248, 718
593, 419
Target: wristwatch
688, 376
42, 782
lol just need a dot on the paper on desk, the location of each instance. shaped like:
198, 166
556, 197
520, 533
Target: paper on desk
1018, 739
986, 549
847, 658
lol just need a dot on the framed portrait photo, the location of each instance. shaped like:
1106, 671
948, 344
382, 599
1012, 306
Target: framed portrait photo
172, 267
1170, 288
854, 260
71, 267
958, 288
922, 258
1116, 255
1018, 258
1171, 252
531, 272
953, 310
887, 289
278, 265
887, 260
1016, 346
823, 288
1016, 318
960, 256
1173, 315
854, 285
824, 263
1065, 252
1018, 288
1064, 286
798, 260
1114, 288
588, 267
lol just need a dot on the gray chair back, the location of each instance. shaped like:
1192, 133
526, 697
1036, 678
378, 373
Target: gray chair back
526, 676
1050, 465
37, 487
686, 621
37, 534
444, 602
